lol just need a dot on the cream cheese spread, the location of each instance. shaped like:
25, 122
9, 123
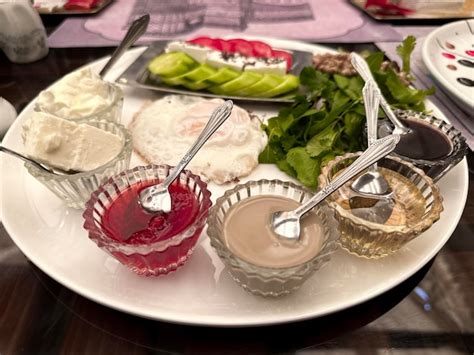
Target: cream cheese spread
79, 94
67, 145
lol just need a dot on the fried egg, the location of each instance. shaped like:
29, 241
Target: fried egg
164, 130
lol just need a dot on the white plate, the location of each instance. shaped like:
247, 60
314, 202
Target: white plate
442, 50
201, 292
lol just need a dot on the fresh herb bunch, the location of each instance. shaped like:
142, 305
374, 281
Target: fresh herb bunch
328, 118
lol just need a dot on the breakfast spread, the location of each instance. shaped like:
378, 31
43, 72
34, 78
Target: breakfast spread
225, 67
68, 145
79, 94
164, 130
248, 234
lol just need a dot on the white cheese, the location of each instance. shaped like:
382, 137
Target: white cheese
67, 145
234, 61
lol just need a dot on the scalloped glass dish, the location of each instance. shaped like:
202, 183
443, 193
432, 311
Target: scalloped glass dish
267, 281
417, 205
151, 258
76, 189
437, 168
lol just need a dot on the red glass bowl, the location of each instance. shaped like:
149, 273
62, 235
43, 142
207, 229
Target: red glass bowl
155, 258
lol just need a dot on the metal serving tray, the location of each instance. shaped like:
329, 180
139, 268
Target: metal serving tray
137, 75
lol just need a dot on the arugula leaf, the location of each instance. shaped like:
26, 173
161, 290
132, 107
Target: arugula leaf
306, 168
405, 50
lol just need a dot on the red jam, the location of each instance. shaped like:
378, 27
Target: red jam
126, 221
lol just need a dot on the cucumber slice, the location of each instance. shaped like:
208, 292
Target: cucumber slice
229, 88
171, 64
195, 86
268, 82
289, 83
222, 75
200, 73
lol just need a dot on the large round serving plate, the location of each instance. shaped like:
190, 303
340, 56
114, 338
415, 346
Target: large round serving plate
201, 292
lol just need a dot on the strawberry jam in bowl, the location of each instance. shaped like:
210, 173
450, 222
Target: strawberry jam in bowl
149, 244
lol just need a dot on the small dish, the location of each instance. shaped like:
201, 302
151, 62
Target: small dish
112, 113
148, 258
448, 55
75, 189
417, 205
267, 281
435, 168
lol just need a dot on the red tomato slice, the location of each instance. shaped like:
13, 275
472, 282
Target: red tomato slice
261, 49
203, 41
283, 55
222, 45
241, 46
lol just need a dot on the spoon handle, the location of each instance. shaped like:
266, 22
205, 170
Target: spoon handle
217, 118
137, 28
371, 97
373, 153
363, 69
24, 158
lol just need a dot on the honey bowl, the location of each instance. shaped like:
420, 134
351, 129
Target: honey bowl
262, 272
417, 204
149, 244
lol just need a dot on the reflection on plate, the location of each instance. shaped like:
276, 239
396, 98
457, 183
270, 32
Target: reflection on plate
448, 53
137, 75
433, 12
102, 5
201, 292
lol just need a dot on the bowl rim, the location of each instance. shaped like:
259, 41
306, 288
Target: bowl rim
265, 272
421, 226
117, 93
102, 239
124, 152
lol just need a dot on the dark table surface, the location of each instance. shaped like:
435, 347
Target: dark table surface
431, 313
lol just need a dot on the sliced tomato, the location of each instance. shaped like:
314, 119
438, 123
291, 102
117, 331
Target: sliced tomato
203, 41
222, 45
283, 55
261, 49
239, 45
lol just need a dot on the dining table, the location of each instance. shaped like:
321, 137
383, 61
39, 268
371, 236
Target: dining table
431, 312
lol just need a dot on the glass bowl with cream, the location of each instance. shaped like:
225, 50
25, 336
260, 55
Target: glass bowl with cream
82, 95
257, 259
149, 244
416, 204
89, 152
434, 145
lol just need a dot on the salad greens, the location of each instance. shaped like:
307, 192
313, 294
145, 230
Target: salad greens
328, 118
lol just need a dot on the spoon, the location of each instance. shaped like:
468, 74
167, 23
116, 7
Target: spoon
157, 197
371, 199
42, 166
361, 66
137, 28
287, 224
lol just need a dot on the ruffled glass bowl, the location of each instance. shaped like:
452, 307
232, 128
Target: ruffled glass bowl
266, 281
76, 189
418, 204
148, 259
437, 168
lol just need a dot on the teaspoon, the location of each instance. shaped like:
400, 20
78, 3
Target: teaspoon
157, 197
287, 224
361, 66
42, 166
